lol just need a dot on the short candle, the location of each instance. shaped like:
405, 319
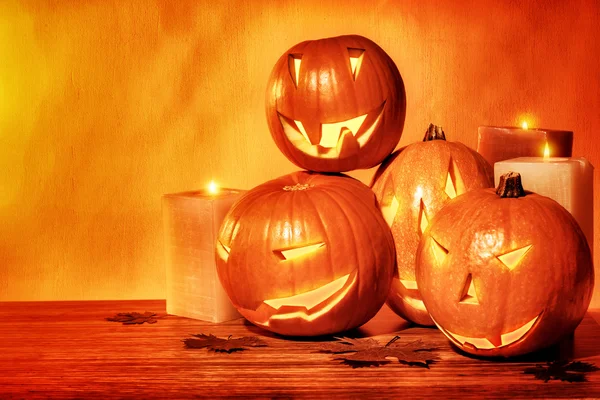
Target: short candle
497, 143
567, 180
191, 223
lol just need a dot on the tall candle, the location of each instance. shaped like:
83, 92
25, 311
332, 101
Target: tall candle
496, 143
569, 181
191, 223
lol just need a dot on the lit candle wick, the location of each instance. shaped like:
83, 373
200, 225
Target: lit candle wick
546, 152
524, 125
213, 188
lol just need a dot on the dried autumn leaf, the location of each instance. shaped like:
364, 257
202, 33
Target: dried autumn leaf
562, 370
347, 345
369, 352
211, 342
134, 318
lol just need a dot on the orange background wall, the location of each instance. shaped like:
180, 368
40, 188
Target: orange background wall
107, 105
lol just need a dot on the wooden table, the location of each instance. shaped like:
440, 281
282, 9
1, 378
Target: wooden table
69, 350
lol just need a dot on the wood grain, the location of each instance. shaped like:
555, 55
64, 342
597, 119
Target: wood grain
67, 350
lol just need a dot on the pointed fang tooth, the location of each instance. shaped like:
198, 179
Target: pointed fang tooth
347, 145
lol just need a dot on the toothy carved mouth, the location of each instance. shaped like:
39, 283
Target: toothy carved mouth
311, 298
491, 343
338, 139
411, 286
308, 305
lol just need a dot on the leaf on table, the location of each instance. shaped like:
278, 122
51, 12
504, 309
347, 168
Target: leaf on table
133, 318
369, 352
563, 370
229, 345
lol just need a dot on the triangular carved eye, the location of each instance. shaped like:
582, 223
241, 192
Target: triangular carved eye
423, 220
469, 295
356, 57
408, 284
512, 259
296, 252
389, 210
223, 251
294, 61
439, 251
454, 182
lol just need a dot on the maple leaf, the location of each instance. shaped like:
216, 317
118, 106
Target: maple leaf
369, 352
229, 345
562, 370
134, 318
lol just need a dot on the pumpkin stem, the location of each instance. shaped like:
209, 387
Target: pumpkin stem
510, 185
434, 132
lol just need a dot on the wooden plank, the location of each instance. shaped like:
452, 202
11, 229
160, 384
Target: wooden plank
67, 349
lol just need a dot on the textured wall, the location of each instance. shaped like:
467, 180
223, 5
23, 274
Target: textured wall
106, 105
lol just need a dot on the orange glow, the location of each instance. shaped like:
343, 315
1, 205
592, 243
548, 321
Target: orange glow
485, 343
469, 294
525, 121
311, 298
423, 220
223, 251
356, 57
105, 108
212, 187
333, 301
389, 211
546, 151
512, 258
414, 303
409, 284
298, 251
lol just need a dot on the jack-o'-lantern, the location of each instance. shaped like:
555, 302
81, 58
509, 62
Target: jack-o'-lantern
412, 186
306, 254
336, 104
505, 273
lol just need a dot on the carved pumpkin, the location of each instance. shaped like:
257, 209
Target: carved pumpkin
336, 104
306, 254
412, 186
506, 273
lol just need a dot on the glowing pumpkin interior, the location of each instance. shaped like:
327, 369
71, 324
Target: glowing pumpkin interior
454, 186
286, 266
336, 138
308, 305
336, 104
468, 296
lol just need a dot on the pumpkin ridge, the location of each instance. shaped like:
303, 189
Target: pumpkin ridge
525, 206
239, 217
310, 201
351, 198
349, 222
355, 293
359, 266
278, 197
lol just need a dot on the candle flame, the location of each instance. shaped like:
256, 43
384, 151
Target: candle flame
546, 151
524, 125
213, 188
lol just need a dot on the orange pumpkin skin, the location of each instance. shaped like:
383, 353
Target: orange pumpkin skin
345, 273
411, 189
338, 79
519, 302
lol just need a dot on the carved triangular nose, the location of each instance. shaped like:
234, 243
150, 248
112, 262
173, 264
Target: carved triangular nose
469, 295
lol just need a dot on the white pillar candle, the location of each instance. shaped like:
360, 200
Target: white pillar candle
191, 223
568, 180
